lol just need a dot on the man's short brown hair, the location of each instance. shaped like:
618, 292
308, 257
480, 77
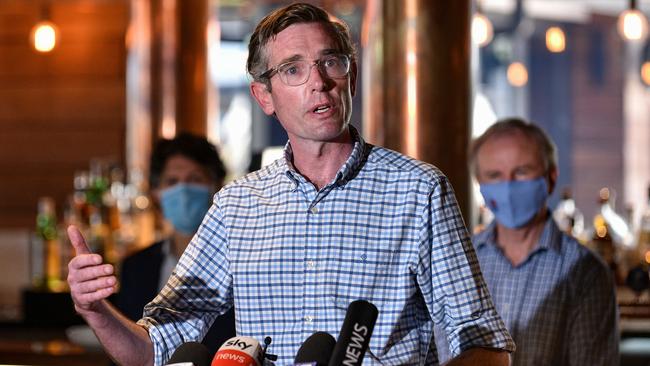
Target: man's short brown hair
279, 20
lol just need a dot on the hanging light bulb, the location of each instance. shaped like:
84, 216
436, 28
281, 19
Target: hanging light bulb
482, 30
44, 34
632, 24
555, 39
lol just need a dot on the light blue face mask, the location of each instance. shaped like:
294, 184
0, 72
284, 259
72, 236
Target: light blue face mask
514, 203
184, 205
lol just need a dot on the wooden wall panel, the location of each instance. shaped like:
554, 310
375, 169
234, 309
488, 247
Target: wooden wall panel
62, 109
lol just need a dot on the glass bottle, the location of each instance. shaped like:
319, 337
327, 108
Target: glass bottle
567, 216
100, 238
80, 204
48, 236
143, 215
611, 237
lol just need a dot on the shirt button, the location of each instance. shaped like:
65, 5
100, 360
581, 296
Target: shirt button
309, 319
314, 210
310, 264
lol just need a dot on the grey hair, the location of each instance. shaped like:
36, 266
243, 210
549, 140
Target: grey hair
508, 126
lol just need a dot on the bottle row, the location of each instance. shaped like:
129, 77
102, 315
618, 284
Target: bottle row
115, 217
623, 247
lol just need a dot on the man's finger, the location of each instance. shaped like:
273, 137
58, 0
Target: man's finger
77, 240
86, 299
95, 285
82, 274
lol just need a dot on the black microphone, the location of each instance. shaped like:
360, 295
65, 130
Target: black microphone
355, 334
190, 353
315, 350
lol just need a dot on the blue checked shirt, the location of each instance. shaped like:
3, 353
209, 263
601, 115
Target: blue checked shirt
290, 259
559, 304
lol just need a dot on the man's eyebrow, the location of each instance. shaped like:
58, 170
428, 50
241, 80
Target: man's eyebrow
296, 57
526, 166
329, 51
290, 59
492, 173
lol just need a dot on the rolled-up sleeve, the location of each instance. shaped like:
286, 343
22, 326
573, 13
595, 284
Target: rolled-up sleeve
450, 279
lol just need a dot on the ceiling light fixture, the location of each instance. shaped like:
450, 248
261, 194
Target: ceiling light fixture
482, 30
44, 34
632, 24
555, 39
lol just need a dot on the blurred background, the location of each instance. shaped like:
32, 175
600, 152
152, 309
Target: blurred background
87, 87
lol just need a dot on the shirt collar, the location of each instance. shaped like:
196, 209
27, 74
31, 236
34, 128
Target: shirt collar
551, 237
349, 168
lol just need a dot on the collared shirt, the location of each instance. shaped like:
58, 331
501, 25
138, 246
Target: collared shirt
291, 258
559, 304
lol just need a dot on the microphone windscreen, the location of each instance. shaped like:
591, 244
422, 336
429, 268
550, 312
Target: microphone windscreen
355, 334
190, 353
315, 350
239, 351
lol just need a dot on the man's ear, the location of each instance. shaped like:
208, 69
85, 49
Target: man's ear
260, 92
353, 78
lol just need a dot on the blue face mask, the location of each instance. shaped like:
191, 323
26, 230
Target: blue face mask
514, 203
184, 205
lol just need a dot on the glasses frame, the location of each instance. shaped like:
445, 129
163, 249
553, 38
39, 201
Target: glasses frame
268, 74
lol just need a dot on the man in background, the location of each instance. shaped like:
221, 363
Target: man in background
556, 297
185, 172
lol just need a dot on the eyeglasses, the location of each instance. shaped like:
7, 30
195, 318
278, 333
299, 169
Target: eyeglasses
295, 73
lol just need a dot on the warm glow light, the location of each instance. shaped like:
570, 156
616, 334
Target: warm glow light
482, 31
168, 127
141, 202
633, 25
645, 72
555, 39
517, 74
410, 135
44, 36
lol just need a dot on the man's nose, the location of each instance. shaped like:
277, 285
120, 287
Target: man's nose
318, 78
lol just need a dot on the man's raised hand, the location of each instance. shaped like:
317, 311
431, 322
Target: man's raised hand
90, 280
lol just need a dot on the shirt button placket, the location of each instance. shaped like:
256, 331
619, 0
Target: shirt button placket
311, 272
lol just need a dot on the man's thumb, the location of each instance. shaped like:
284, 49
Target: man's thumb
77, 240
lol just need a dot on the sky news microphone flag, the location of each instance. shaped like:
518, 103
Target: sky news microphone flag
239, 351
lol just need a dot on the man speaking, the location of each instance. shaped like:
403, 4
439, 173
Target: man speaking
333, 221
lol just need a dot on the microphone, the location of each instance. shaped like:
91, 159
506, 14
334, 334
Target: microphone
355, 334
239, 351
190, 354
315, 350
